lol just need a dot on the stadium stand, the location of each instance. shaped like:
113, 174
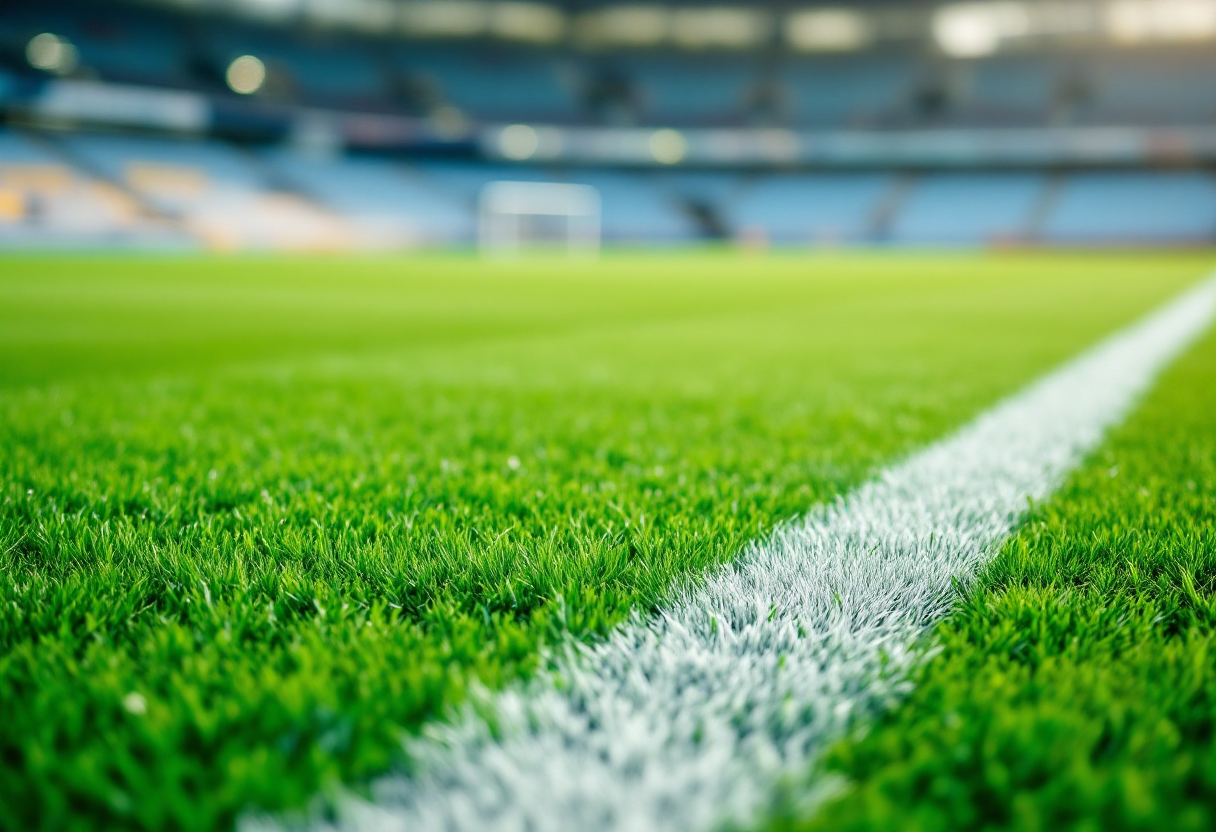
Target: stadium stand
527, 86
706, 197
105, 189
693, 90
1152, 88
117, 46
888, 143
812, 208
1007, 91
713, 188
464, 180
636, 210
216, 192
847, 92
1133, 208
321, 72
45, 201
388, 204
968, 209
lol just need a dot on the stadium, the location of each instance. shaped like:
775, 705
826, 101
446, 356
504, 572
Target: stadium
607, 415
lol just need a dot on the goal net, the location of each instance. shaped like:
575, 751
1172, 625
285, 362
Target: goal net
515, 215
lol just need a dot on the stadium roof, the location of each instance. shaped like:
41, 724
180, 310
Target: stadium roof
966, 28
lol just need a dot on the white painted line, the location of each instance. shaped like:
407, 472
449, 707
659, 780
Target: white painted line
692, 719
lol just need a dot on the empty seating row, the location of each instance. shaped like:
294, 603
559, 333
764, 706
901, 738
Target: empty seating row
145, 189
1134, 208
92, 186
47, 202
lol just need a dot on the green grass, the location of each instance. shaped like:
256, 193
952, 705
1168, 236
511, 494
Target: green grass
260, 517
1076, 685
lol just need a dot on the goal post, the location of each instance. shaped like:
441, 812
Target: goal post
512, 215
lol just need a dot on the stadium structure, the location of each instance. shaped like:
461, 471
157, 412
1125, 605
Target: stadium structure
347, 124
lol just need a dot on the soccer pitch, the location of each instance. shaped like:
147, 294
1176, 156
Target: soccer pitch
264, 519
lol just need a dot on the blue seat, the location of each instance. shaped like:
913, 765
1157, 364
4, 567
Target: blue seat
1135, 207
464, 180
16, 149
1007, 90
499, 84
222, 164
636, 209
843, 92
378, 191
968, 209
692, 90
802, 208
1151, 90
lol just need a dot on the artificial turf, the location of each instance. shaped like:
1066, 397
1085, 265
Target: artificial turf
1075, 687
260, 517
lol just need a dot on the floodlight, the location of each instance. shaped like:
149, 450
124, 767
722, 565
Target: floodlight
246, 75
51, 53
534, 22
668, 146
827, 30
518, 142
1133, 21
625, 25
444, 18
737, 28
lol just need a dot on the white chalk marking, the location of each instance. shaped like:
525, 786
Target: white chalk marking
692, 719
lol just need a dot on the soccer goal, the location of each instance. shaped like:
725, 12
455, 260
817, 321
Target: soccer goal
515, 215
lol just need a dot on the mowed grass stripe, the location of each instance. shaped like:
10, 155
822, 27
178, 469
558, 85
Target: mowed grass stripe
690, 719
1076, 683
260, 518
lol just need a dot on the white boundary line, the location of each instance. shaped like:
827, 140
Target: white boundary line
692, 719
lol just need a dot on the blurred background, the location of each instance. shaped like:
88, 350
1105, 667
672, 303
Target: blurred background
379, 124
